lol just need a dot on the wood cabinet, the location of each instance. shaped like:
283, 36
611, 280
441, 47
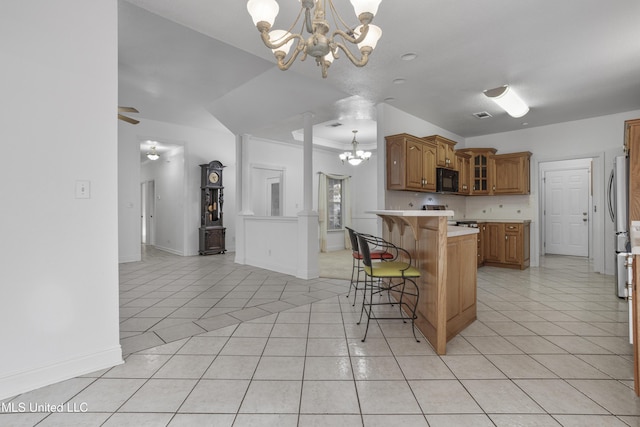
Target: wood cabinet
498, 174
480, 169
480, 246
511, 173
632, 145
463, 166
445, 151
632, 149
635, 320
411, 163
507, 244
461, 283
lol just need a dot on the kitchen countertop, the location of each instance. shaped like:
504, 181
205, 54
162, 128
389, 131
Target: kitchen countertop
518, 221
413, 213
454, 230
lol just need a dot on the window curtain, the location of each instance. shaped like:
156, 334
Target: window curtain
322, 207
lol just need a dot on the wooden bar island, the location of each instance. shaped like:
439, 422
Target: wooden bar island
447, 259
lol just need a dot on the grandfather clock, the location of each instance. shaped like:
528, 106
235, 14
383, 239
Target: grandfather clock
212, 232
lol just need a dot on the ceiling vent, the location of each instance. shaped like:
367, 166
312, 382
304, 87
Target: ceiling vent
334, 125
482, 115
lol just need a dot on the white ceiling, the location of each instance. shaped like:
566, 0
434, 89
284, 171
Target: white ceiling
201, 63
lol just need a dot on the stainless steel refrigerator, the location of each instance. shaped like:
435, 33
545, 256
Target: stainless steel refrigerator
617, 196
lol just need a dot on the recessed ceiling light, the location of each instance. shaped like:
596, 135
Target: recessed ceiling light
399, 81
409, 56
389, 99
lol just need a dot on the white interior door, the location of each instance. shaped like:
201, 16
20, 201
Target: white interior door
566, 212
147, 208
143, 213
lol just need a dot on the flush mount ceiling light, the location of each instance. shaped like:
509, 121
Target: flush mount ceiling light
508, 100
324, 47
152, 155
355, 157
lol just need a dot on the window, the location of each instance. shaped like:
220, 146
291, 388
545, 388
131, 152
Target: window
334, 204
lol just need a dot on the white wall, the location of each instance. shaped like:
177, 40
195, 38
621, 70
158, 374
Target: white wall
59, 304
177, 184
129, 233
261, 154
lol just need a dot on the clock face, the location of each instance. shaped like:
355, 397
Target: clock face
214, 177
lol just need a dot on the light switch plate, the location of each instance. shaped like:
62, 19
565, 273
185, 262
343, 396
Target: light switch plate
83, 189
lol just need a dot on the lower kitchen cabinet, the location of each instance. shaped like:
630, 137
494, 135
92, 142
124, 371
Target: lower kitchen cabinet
506, 244
461, 283
480, 251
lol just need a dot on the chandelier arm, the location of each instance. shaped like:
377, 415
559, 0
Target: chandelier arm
267, 41
365, 51
280, 55
349, 38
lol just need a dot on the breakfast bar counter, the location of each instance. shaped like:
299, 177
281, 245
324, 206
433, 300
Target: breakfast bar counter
446, 257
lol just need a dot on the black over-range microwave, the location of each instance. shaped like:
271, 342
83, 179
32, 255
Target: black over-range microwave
446, 180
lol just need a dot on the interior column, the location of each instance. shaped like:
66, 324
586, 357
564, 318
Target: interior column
308, 219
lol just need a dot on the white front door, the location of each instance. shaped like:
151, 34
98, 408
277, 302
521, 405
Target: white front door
566, 212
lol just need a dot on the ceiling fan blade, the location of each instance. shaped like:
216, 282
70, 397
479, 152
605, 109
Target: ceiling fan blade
128, 119
127, 110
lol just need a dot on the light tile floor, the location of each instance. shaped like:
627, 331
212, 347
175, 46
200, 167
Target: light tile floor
549, 348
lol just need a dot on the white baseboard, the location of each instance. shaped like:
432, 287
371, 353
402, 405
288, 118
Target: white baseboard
18, 383
129, 258
170, 250
279, 268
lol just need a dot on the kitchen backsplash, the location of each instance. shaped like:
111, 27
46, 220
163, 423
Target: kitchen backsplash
465, 207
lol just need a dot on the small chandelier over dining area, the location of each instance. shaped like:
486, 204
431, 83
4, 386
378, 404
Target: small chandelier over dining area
355, 157
322, 45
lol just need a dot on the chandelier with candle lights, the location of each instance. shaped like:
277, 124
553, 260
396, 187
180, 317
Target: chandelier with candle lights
320, 44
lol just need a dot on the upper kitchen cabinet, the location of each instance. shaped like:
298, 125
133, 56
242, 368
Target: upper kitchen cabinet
411, 163
632, 145
511, 173
481, 168
463, 166
445, 151
498, 174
